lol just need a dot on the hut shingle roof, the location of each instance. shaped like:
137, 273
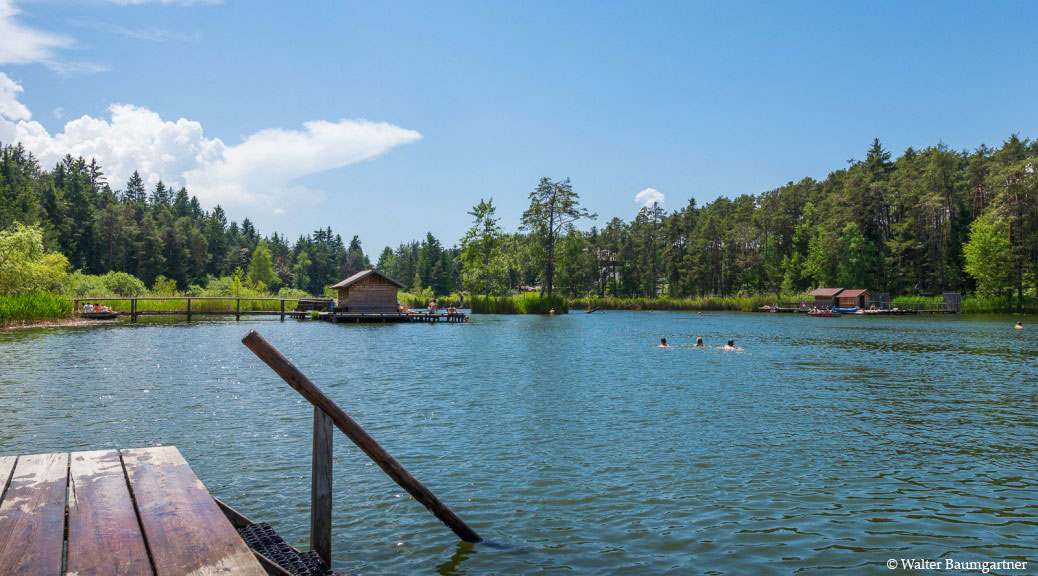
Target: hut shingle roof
364, 274
826, 292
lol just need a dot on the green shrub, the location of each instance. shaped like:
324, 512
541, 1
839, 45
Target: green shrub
122, 284
163, 286
293, 293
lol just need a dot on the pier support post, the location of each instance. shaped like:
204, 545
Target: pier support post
237, 309
283, 316
321, 487
188, 309
133, 311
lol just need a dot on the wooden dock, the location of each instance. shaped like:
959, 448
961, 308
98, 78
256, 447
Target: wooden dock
300, 309
139, 511
377, 318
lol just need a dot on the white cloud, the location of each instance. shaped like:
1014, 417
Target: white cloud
20, 44
649, 196
9, 104
59, 112
261, 170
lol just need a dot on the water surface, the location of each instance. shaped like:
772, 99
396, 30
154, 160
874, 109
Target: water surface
824, 445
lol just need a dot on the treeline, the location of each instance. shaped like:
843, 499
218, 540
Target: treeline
161, 233
932, 220
928, 221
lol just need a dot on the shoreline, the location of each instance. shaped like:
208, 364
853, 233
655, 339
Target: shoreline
48, 323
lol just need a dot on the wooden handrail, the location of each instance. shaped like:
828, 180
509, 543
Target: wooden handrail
307, 389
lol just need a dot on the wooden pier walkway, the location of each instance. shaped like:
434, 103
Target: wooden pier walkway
375, 318
138, 511
299, 309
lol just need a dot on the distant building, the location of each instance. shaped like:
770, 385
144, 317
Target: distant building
825, 297
852, 298
369, 291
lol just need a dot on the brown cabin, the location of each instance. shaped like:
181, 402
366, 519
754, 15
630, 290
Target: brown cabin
825, 297
370, 292
851, 298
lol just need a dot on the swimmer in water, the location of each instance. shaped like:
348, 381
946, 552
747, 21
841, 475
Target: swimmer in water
699, 342
663, 343
731, 345
551, 312
1019, 325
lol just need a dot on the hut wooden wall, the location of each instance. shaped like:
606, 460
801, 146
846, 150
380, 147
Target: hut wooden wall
371, 294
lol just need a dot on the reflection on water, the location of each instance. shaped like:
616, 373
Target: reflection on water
825, 445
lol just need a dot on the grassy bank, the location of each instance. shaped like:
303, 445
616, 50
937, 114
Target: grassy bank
522, 304
33, 307
738, 303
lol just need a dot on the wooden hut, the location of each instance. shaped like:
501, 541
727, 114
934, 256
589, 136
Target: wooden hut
825, 297
856, 297
368, 292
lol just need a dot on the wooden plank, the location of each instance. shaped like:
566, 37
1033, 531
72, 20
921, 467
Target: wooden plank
104, 536
32, 516
321, 487
6, 467
186, 532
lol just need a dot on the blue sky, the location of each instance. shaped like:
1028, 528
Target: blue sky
463, 100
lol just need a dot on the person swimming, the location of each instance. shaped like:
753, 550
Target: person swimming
731, 345
1019, 325
551, 312
663, 343
699, 342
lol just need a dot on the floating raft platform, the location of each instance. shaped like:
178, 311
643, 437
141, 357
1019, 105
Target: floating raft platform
139, 511
381, 318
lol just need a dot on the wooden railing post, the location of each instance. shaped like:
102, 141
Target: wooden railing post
321, 487
237, 309
315, 396
133, 311
188, 309
282, 310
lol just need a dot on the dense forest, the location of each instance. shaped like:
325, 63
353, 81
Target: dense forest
930, 220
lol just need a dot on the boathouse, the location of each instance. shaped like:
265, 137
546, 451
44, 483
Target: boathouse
826, 297
368, 292
855, 297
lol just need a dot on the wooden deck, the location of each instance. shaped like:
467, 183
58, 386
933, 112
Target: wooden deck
376, 318
138, 511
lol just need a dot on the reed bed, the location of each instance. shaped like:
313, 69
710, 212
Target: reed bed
412, 300
522, 304
736, 303
972, 304
32, 307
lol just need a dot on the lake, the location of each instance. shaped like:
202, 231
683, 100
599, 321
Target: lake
576, 444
